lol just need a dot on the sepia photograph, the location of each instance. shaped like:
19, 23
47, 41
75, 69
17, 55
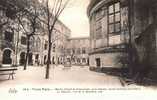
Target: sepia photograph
78, 48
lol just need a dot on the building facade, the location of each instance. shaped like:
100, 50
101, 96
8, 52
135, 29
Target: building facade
108, 32
77, 50
7, 43
13, 44
59, 41
115, 23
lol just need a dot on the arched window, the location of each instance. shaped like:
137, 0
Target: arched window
32, 42
38, 43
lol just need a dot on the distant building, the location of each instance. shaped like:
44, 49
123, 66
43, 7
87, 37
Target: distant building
77, 50
59, 42
108, 32
39, 46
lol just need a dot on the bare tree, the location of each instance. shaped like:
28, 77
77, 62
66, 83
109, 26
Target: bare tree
30, 23
10, 9
52, 11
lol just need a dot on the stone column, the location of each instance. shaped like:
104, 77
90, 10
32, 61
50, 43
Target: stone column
13, 57
1, 57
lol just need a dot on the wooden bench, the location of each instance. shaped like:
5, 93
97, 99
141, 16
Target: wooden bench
8, 70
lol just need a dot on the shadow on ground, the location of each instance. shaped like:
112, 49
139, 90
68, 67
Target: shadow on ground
126, 79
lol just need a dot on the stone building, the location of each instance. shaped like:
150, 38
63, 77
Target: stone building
59, 41
108, 32
115, 23
77, 50
13, 44
7, 43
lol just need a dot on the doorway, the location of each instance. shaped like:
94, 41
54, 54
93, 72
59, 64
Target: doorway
7, 57
98, 62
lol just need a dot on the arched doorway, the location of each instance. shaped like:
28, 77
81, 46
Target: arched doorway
7, 57
22, 58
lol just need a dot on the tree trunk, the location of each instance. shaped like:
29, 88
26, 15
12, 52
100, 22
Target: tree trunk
49, 58
130, 48
27, 54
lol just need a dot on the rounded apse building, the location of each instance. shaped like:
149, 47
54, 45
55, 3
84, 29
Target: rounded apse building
108, 32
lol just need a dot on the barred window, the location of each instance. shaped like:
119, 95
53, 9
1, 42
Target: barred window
114, 18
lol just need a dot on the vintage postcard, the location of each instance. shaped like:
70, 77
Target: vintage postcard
97, 49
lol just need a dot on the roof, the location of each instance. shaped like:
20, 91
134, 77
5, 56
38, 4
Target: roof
92, 4
78, 38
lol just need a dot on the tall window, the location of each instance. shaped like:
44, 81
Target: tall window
23, 40
9, 36
78, 51
54, 48
46, 45
38, 43
73, 51
114, 18
98, 24
83, 50
32, 42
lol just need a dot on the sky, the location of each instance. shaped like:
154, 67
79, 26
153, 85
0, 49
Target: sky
75, 17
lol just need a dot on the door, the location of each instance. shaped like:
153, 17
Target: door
7, 57
98, 62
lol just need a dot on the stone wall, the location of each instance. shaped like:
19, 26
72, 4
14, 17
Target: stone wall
106, 60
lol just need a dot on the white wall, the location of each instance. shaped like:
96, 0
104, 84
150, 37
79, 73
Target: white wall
107, 60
